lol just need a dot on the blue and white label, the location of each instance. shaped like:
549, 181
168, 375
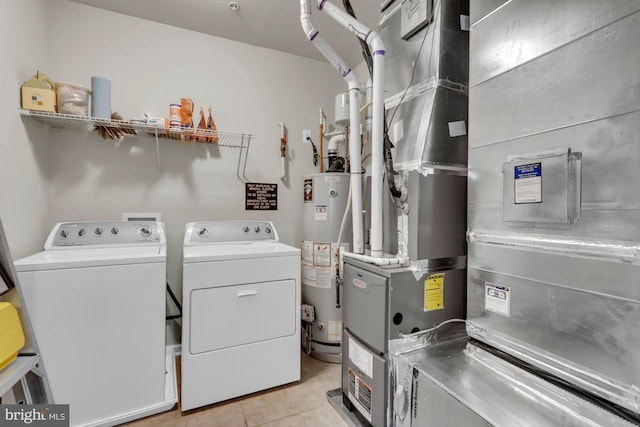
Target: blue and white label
497, 299
528, 183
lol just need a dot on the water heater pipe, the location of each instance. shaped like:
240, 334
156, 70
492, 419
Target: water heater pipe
283, 151
377, 166
354, 116
332, 147
332, 153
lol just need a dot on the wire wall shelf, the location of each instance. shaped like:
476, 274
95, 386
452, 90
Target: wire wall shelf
124, 128
88, 124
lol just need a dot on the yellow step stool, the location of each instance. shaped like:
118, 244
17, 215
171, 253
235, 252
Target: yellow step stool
11, 335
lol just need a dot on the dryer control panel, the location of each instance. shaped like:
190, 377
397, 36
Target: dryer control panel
100, 233
208, 232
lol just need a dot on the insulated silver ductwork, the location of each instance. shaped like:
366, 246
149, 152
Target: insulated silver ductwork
553, 199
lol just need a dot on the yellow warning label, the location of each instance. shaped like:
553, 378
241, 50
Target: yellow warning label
434, 292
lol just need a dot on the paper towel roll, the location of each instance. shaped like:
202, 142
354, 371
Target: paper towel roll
101, 98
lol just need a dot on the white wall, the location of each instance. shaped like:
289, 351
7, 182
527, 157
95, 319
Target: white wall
24, 151
151, 65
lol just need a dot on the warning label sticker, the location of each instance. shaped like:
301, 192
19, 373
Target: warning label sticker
321, 213
528, 183
497, 299
434, 292
322, 254
361, 358
335, 330
308, 190
360, 394
319, 277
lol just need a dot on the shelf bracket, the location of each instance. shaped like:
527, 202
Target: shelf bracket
242, 157
158, 151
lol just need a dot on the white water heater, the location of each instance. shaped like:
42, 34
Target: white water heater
325, 201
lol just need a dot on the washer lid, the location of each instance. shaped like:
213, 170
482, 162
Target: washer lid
221, 252
92, 257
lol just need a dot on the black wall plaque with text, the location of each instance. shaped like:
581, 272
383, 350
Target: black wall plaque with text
260, 197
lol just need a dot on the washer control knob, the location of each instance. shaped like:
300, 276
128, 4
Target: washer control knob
267, 230
64, 234
114, 230
145, 231
203, 232
257, 229
98, 231
245, 229
82, 232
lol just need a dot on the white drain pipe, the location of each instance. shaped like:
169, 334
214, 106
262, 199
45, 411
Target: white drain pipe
377, 132
354, 117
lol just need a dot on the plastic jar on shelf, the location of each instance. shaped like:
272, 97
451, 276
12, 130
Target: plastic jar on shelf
72, 99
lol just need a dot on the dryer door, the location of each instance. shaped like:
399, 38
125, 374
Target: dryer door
230, 316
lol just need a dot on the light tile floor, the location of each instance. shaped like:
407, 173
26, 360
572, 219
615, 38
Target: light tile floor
299, 404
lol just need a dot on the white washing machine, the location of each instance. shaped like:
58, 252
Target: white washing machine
240, 306
96, 298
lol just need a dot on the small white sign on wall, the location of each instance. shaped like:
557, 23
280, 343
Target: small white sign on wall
497, 299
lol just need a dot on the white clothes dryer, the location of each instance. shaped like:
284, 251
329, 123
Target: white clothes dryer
96, 298
240, 306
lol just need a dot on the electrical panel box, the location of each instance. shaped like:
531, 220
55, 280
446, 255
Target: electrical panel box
307, 313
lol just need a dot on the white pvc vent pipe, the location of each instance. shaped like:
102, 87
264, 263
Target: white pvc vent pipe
377, 132
334, 141
354, 141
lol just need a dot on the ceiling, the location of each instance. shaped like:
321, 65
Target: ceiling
273, 24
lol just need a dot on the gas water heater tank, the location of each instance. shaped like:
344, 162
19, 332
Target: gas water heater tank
325, 201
